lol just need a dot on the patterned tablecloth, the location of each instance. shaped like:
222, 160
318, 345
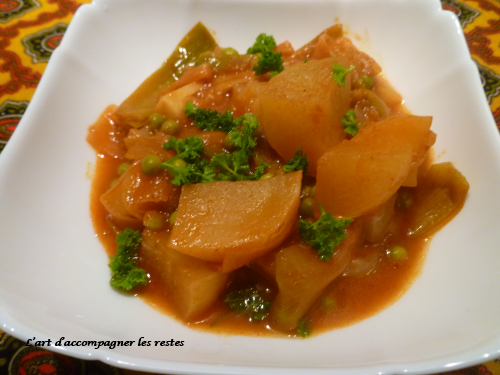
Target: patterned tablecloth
31, 29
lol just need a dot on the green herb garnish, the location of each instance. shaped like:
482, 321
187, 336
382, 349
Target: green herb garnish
125, 274
325, 234
297, 163
304, 328
269, 61
248, 301
230, 167
339, 73
349, 123
236, 166
207, 119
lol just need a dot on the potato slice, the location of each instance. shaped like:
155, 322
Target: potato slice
193, 284
302, 106
302, 277
357, 176
235, 222
414, 130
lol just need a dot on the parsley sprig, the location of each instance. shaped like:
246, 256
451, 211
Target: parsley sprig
125, 274
236, 166
349, 123
196, 169
233, 166
263, 43
248, 301
325, 234
340, 73
207, 119
269, 61
297, 163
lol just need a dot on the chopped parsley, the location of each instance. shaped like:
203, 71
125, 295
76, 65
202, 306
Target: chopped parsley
236, 166
297, 163
189, 149
207, 119
125, 274
349, 123
269, 61
193, 168
325, 234
263, 43
192, 173
339, 73
304, 328
196, 169
248, 301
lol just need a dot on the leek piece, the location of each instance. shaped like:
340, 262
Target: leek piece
137, 108
438, 198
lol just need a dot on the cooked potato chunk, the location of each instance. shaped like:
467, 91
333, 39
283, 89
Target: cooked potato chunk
235, 222
193, 284
359, 175
301, 277
302, 106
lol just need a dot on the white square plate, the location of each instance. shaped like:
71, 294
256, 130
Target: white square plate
55, 280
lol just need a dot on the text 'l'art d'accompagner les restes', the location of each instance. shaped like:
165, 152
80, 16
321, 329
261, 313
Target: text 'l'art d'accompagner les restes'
111, 344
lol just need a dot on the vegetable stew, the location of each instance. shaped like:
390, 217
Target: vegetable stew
279, 192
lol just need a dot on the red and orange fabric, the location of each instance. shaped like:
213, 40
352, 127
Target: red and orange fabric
30, 30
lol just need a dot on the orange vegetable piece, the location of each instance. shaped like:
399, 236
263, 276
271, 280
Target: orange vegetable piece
235, 222
192, 283
357, 176
302, 277
140, 145
302, 106
439, 197
135, 193
106, 136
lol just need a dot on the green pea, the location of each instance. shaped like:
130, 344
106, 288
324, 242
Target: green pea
123, 167
306, 208
328, 303
156, 120
397, 253
151, 164
367, 82
154, 220
206, 57
306, 191
170, 127
179, 163
404, 198
266, 176
229, 51
228, 143
113, 183
313, 191
172, 218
